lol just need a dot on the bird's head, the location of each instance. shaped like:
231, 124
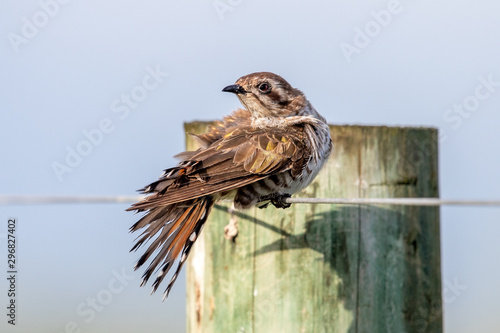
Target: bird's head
266, 94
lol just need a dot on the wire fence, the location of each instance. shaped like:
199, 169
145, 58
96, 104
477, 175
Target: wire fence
33, 200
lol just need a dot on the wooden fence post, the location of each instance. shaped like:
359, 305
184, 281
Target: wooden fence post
329, 268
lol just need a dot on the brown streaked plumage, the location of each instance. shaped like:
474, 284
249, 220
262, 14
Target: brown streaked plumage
256, 156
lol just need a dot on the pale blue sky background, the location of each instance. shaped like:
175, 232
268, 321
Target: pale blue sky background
69, 75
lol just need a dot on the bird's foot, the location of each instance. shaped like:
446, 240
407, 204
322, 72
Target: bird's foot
231, 230
278, 201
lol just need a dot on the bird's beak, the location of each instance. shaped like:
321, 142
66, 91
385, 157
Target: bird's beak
235, 88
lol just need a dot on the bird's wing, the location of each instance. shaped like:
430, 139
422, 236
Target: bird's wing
220, 128
242, 156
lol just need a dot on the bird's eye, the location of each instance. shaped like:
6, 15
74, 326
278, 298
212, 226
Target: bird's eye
264, 88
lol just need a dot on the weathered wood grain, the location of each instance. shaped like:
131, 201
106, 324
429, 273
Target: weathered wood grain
329, 268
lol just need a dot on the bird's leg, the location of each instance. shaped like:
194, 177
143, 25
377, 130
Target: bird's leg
277, 199
231, 230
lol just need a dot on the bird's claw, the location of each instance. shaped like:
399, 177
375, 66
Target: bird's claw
278, 201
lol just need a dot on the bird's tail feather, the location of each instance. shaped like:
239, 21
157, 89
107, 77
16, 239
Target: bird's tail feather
176, 227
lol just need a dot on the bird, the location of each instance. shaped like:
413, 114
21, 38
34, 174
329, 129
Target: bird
257, 156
